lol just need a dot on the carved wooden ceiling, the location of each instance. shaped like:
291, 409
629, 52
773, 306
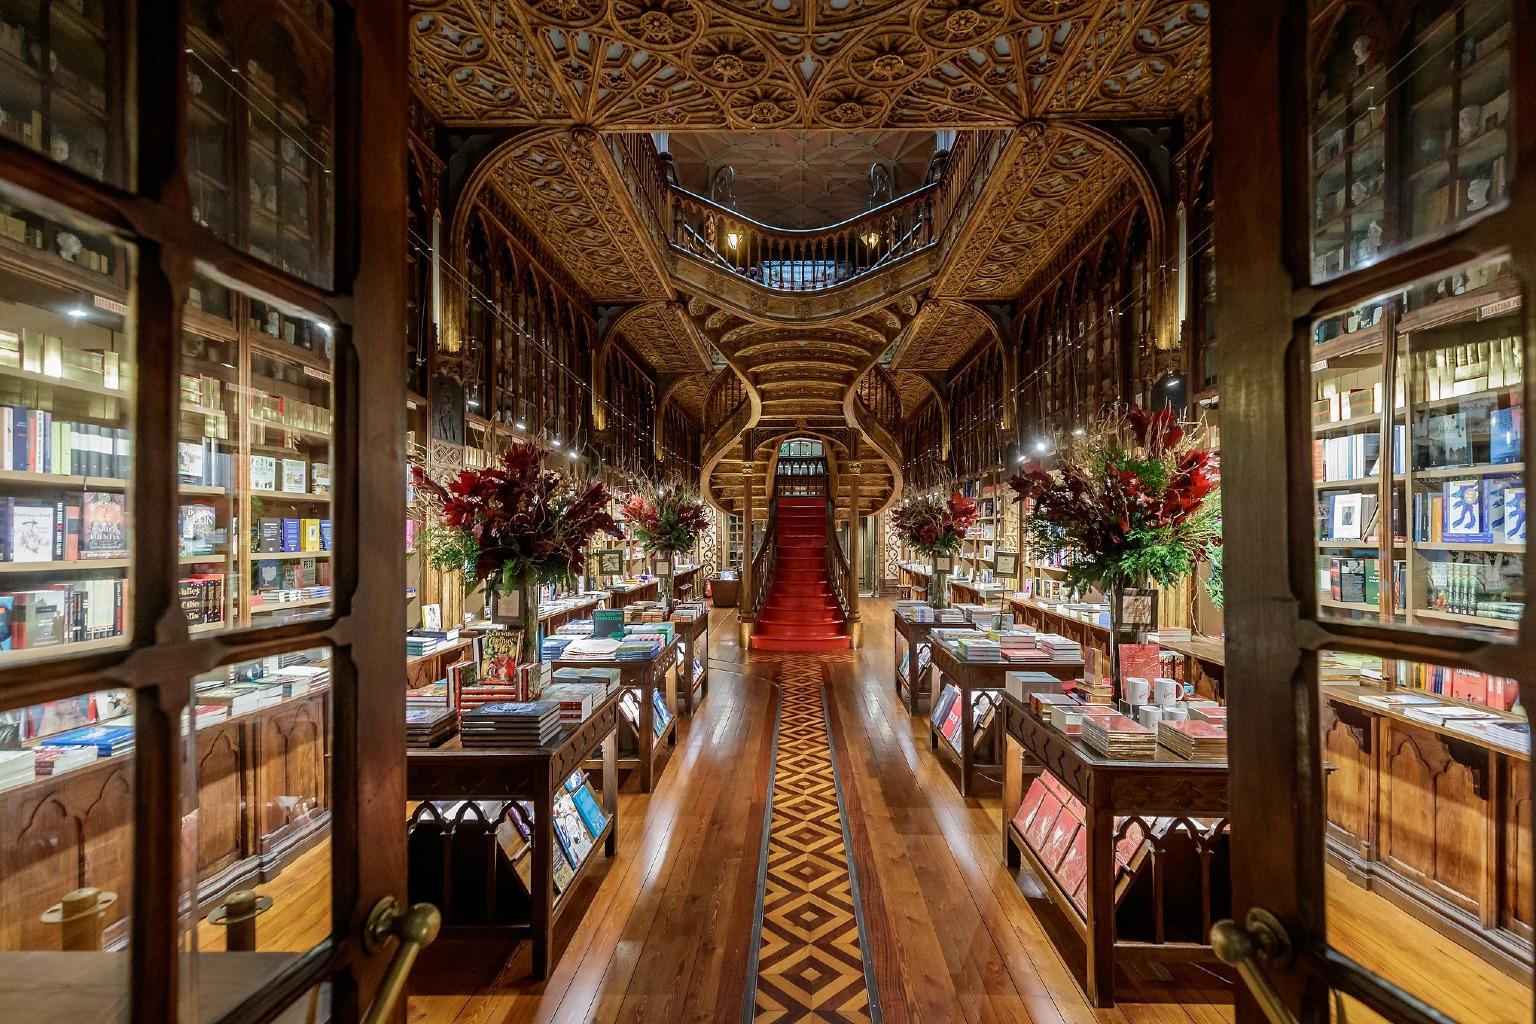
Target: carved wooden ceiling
944, 331
801, 179
671, 64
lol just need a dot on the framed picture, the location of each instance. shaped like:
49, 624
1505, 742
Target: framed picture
432, 616
943, 563
506, 607
1138, 609
1007, 563
663, 567
1346, 516
610, 562
1466, 511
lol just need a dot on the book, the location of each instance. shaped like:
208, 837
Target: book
570, 829
31, 532
590, 809
263, 473
295, 476
103, 521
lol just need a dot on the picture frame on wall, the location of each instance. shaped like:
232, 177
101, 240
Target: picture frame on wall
506, 606
663, 567
1137, 609
610, 562
1007, 563
943, 563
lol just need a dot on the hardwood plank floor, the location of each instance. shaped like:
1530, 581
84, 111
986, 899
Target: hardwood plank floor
952, 935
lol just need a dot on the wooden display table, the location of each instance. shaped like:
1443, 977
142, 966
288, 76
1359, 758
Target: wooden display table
620, 595
915, 579
693, 637
533, 774
581, 608
1033, 613
725, 593
1190, 897
966, 592
1434, 820
969, 677
914, 635
643, 678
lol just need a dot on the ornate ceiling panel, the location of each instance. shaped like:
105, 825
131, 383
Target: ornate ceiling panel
561, 183
944, 331
1057, 176
663, 64
661, 333
693, 392
912, 389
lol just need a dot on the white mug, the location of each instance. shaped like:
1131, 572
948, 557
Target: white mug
1150, 715
1164, 691
1138, 691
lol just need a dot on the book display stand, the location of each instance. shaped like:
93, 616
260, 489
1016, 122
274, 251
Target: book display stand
647, 711
693, 670
480, 901
911, 655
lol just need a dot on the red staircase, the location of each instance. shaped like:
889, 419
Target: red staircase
800, 612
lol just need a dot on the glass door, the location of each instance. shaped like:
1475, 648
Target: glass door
1379, 644
200, 336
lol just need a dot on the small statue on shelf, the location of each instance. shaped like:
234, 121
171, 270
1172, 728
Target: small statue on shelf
1477, 194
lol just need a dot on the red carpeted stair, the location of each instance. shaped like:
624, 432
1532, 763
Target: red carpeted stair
800, 613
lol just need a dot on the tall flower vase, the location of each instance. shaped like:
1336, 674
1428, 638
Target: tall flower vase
938, 583
1132, 613
518, 610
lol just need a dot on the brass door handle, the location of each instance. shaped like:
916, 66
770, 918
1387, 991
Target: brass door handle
1261, 939
415, 929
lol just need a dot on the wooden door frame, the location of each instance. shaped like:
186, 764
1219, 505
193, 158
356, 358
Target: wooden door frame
1260, 161
366, 305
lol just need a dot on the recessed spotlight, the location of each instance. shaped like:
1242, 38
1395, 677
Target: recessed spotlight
1042, 446
78, 313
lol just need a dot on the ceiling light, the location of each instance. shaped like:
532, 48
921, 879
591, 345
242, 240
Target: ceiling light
1042, 446
78, 313
1023, 459
871, 238
1173, 382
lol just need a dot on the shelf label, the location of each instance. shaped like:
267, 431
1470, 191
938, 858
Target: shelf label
1498, 308
110, 305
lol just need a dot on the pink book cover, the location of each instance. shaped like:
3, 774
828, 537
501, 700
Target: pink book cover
1045, 819
1030, 806
1198, 730
1127, 845
1140, 660
1074, 866
1118, 723
1062, 834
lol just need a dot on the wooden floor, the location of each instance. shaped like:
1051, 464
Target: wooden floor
952, 936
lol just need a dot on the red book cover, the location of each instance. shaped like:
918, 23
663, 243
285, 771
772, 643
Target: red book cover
1045, 818
1054, 786
1469, 685
1127, 845
1056, 846
1074, 866
951, 727
1031, 804
1140, 661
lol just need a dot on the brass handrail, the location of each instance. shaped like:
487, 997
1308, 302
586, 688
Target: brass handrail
414, 930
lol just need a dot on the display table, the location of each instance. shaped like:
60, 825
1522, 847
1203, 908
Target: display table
1167, 891
1030, 612
693, 639
967, 592
914, 684
533, 774
620, 594
915, 578
1434, 820
971, 677
644, 679
725, 593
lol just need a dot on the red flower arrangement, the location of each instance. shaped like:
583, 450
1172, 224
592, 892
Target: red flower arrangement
666, 518
932, 525
515, 522
1134, 498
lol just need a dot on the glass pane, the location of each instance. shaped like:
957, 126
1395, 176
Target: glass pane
1451, 553
1410, 137
1426, 767
61, 88
256, 825
66, 862
66, 401
259, 134
254, 452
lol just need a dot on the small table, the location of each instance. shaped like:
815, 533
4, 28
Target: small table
550, 621
1166, 785
693, 687
914, 634
644, 678
620, 595
535, 774
683, 581
971, 676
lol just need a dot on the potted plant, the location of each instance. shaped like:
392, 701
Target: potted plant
513, 526
667, 520
935, 526
1131, 502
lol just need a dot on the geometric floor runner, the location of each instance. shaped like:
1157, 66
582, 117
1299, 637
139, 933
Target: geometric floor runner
810, 960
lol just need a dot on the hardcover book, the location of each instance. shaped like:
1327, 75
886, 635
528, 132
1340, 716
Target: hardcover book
269, 536
295, 476
32, 527
263, 473
571, 829
103, 518
590, 810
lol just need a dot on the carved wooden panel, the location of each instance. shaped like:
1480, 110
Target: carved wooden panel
1433, 817
1347, 750
1519, 892
291, 788
220, 793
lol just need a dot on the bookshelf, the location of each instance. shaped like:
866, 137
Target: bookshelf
1447, 352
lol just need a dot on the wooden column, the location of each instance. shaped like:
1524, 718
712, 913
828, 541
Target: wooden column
855, 620
747, 614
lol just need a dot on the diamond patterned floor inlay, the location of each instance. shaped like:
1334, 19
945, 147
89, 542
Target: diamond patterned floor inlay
810, 961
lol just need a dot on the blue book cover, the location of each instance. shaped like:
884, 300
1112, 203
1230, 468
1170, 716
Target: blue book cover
520, 709
107, 739
591, 813
576, 780
1504, 435
290, 535
325, 535
19, 438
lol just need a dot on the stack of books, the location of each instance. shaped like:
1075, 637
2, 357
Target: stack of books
1059, 648
297, 680
511, 724
577, 627
638, 647
1022, 685
17, 767
1168, 634
1119, 738
1194, 741
58, 760
689, 613
665, 630
553, 647
1213, 713
576, 700
979, 647
427, 727
590, 648
211, 714
1045, 706
105, 740
606, 678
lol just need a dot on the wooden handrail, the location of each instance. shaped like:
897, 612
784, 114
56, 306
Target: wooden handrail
763, 561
